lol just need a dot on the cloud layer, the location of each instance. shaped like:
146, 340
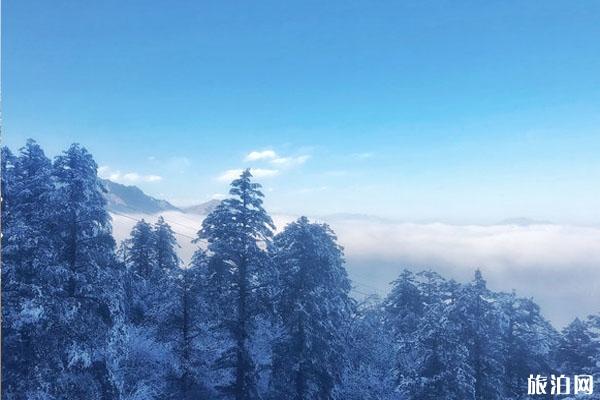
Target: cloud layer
557, 265
271, 157
127, 177
261, 155
289, 161
276, 163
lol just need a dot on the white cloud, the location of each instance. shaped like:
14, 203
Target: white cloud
135, 177
272, 157
232, 174
556, 264
261, 155
106, 172
265, 156
263, 172
290, 161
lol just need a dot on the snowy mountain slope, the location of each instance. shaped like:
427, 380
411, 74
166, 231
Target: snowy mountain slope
127, 199
202, 208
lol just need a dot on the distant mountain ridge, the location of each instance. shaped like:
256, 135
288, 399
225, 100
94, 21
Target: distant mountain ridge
131, 199
202, 208
128, 199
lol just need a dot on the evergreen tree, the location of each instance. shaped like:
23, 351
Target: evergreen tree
165, 246
152, 263
143, 364
433, 361
578, 348
151, 296
369, 374
185, 329
140, 251
237, 232
476, 314
314, 308
12, 371
528, 340
250, 318
140, 260
7, 165
27, 256
593, 325
441, 360
27, 211
404, 305
88, 303
434, 289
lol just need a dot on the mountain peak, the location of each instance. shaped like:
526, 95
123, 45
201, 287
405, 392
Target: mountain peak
131, 199
202, 208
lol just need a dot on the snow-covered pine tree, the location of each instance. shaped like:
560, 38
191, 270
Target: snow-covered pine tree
152, 271
369, 374
527, 340
578, 348
477, 314
432, 360
28, 245
140, 259
12, 371
204, 304
404, 306
168, 274
238, 232
27, 286
315, 309
7, 165
145, 358
165, 246
442, 369
89, 296
67, 334
593, 325
435, 289
140, 253
185, 330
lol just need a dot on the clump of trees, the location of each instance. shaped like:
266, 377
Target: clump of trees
255, 315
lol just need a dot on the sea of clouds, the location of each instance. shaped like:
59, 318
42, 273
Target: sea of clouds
557, 265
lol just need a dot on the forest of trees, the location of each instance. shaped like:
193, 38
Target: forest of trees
255, 315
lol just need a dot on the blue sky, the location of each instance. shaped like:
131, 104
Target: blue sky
462, 111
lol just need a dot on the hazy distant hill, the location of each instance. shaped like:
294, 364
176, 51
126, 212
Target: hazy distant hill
202, 208
131, 199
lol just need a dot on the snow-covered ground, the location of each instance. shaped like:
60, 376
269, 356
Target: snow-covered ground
558, 265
